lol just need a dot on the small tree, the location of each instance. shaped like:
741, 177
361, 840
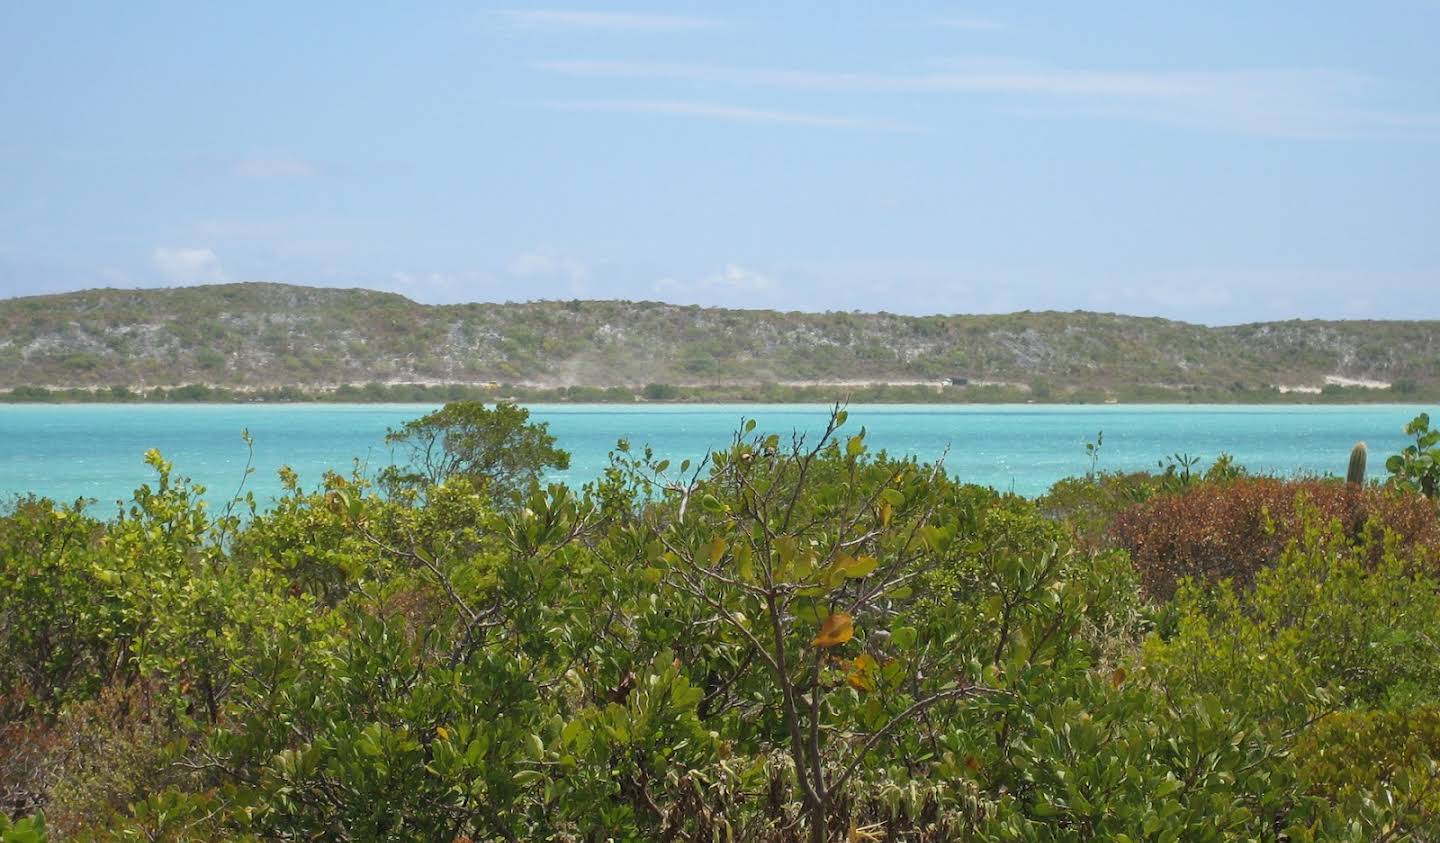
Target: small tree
805, 560
498, 448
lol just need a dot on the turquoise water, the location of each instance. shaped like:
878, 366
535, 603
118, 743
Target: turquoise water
95, 451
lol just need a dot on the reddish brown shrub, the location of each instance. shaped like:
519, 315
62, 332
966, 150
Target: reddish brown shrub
1230, 531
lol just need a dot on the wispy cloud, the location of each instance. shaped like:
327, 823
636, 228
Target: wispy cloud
274, 167
732, 284
732, 113
540, 266
976, 77
187, 265
1304, 102
616, 21
971, 24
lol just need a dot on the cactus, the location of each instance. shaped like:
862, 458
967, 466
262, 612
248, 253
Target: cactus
1355, 476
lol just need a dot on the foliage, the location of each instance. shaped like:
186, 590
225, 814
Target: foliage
1417, 467
1333, 657
1090, 504
1232, 530
1375, 767
783, 640
497, 448
25, 830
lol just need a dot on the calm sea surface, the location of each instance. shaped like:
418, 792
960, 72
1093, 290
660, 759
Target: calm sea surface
95, 451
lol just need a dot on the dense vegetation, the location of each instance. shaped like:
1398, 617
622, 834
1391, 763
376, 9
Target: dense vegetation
276, 342
785, 640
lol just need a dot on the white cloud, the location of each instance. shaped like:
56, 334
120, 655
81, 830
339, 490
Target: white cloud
543, 266
430, 282
274, 167
733, 113
615, 21
734, 277
1303, 102
730, 279
1198, 297
186, 265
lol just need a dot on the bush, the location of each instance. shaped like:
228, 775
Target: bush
660, 392
1231, 531
1377, 768
1088, 505
781, 642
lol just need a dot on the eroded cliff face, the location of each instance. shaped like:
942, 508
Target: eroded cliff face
261, 335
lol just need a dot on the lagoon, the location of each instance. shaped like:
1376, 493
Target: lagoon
96, 451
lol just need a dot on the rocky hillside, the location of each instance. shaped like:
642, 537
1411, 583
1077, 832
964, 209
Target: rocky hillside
261, 335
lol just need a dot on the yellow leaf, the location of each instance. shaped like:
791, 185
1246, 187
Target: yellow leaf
717, 549
442, 733
785, 549
862, 677
836, 630
745, 563
859, 566
886, 511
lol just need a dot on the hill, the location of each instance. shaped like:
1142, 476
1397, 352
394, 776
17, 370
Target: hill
257, 336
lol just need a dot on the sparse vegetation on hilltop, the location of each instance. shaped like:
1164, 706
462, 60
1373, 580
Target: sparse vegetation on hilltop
254, 338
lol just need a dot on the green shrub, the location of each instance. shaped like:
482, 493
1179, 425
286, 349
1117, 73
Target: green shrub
1375, 768
1417, 467
782, 641
1330, 625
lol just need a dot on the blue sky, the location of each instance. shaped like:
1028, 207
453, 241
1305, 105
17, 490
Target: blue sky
1216, 162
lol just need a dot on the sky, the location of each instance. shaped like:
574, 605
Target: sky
1215, 162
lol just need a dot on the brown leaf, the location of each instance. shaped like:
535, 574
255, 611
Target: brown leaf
836, 630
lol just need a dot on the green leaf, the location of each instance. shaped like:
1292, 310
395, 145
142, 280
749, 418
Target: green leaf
856, 445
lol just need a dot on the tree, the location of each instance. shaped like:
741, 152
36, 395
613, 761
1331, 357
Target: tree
498, 448
804, 561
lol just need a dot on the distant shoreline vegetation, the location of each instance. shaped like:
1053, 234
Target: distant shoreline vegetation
258, 339
661, 393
